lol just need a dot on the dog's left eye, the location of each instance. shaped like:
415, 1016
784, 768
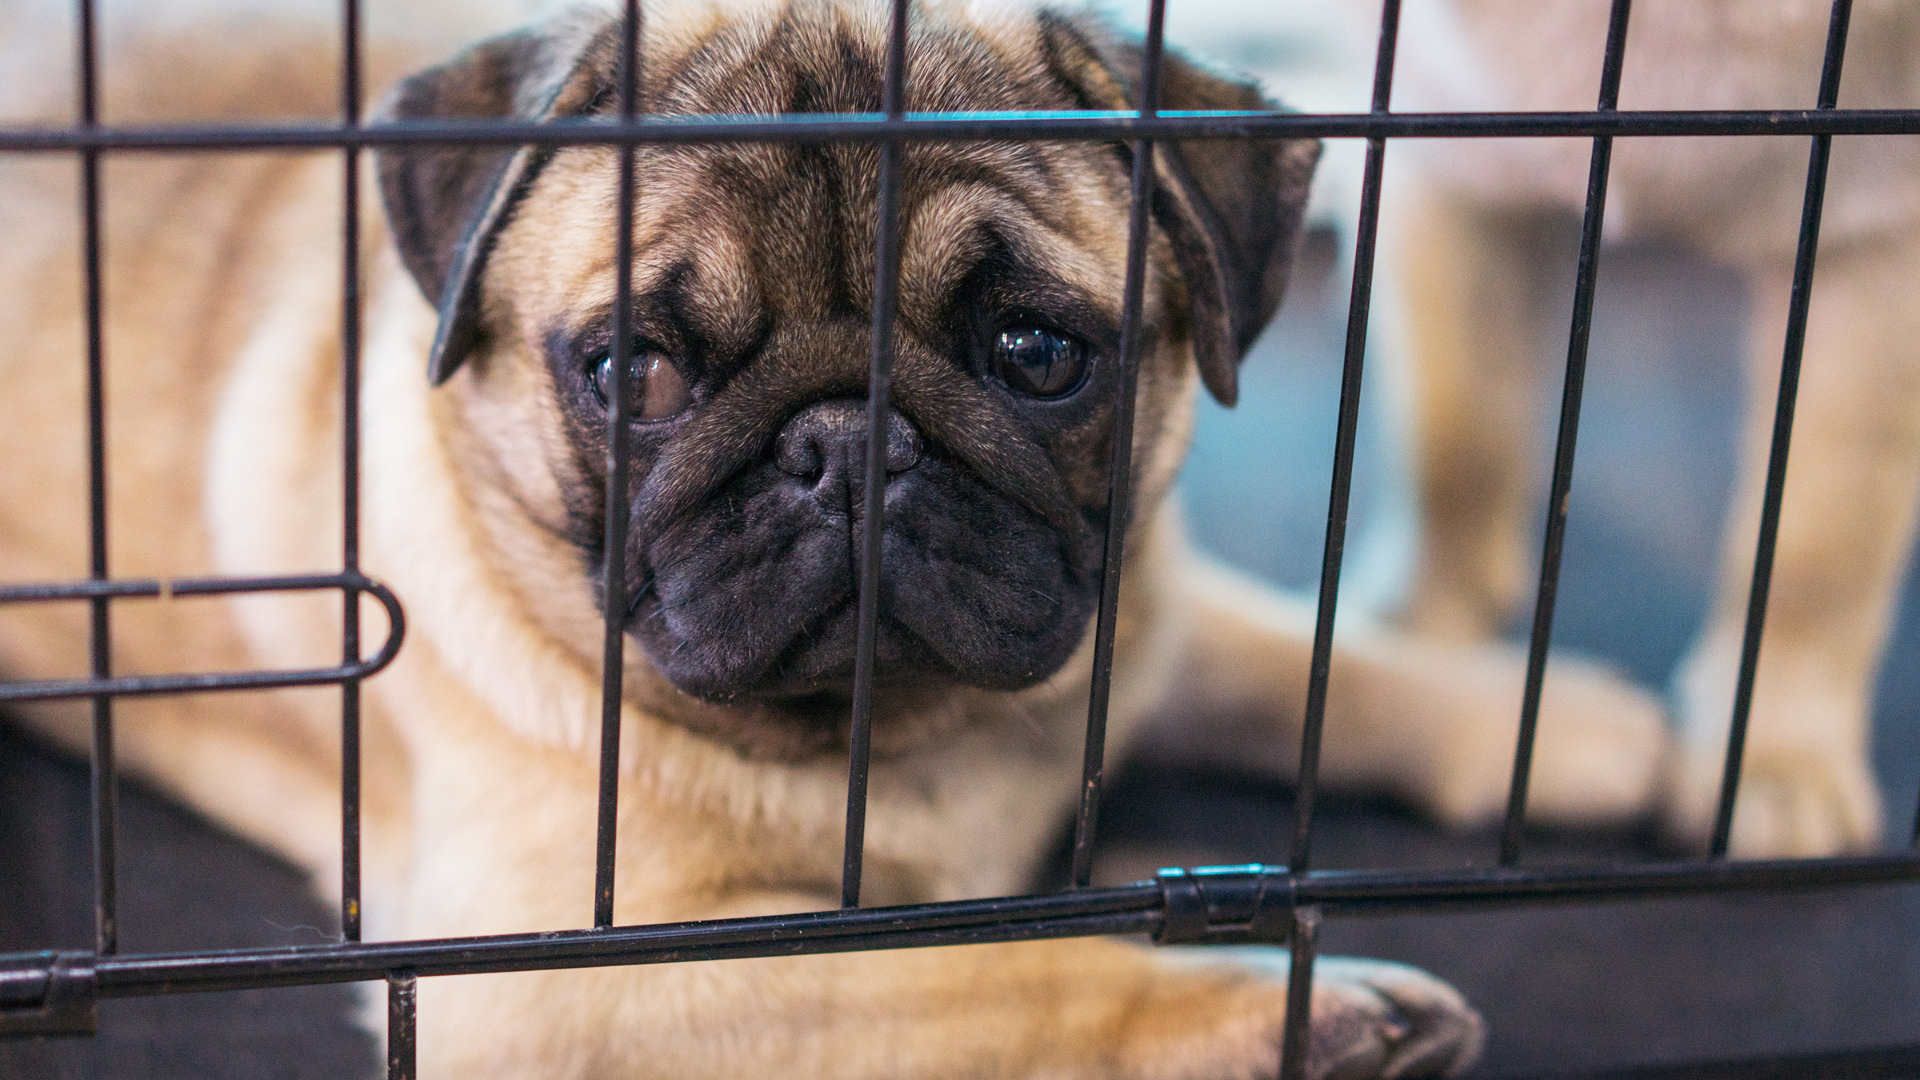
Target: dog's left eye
655, 388
1039, 362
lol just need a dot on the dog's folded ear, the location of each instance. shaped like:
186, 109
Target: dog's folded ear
445, 205
1231, 208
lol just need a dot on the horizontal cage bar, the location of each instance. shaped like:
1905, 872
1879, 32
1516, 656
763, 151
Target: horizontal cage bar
150, 685
1059, 126
1239, 899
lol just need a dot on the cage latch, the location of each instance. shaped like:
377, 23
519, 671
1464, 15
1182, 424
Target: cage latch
48, 993
1226, 904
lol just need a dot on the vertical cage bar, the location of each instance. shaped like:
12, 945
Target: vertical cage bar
1799, 303
1359, 308
886, 283
402, 1014
106, 935
1120, 456
616, 603
1296, 1037
1585, 284
350, 89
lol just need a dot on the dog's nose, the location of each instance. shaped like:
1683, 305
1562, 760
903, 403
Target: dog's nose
825, 446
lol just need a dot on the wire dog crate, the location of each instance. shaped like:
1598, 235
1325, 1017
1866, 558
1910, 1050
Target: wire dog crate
55, 993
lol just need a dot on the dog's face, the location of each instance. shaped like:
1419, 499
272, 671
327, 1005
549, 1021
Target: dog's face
752, 296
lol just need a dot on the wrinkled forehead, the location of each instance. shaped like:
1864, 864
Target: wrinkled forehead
791, 231
788, 229
821, 56
713, 35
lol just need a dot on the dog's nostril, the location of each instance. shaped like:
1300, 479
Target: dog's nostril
799, 455
831, 438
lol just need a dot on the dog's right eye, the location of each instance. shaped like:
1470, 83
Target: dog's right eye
1038, 362
655, 388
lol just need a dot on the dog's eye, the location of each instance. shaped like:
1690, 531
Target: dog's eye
655, 388
1038, 362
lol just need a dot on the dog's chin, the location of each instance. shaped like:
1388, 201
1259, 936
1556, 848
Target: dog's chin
802, 706
779, 688
730, 664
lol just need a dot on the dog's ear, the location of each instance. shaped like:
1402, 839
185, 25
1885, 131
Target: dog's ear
1231, 208
446, 205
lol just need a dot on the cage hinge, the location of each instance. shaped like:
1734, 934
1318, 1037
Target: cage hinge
1226, 905
48, 993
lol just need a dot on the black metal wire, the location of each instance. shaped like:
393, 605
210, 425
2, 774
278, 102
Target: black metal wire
1128, 909
150, 685
99, 638
968, 127
1798, 305
886, 284
1120, 456
1586, 282
1294, 1039
615, 604
403, 1001
153, 588
350, 89
1306, 921
1307, 777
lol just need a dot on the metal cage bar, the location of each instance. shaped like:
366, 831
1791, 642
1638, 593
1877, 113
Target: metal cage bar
350, 103
99, 630
209, 682
1237, 899
403, 1000
1586, 282
1293, 1057
1294, 1038
1120, 455
965, 127
616, 604
1340, 489
1798, 306
886, 285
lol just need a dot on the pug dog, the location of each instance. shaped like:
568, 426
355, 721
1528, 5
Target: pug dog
1475, 256
487, 356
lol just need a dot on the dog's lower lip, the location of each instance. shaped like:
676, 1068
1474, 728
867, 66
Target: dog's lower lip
779, 686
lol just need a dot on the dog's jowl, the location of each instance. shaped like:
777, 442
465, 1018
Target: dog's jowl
488, 352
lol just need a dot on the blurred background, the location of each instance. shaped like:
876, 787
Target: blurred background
1567, 991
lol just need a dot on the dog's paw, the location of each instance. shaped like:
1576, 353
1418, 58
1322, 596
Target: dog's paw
1599, 748
1372, 1018
1806, 788
1794, 802
1369, 1018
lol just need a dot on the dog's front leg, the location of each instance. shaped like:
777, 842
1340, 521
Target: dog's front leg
1058, 1009
1476, 284
1846, 530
